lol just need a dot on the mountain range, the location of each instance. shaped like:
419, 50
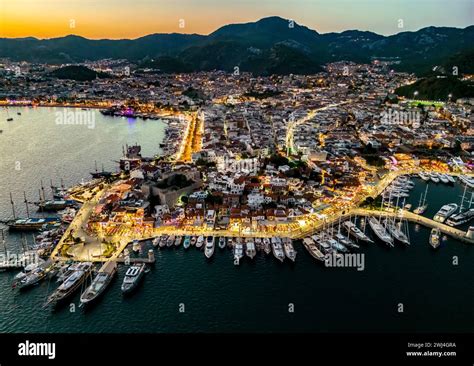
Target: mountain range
271, 45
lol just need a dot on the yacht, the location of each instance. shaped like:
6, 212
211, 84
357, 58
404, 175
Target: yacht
238, 252
335, 245
461, 218
278, 249
434, 177
447, 210
424, 176
156, 241
313, 249
170, 241
71, 284
348, 243
132, 277
290, 251
397, 233
222, 242
422, 205
99, 283
267, 248
380, 232
193, 240
177, 241
209, 248
31, 278
469, 181
450, 178
163, 241
443, 178
434, 238
187, 242
355, 232
200, 241
250, 248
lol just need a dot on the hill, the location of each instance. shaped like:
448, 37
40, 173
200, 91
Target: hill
78, 73
438, 88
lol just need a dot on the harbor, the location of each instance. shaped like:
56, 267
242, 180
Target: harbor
174, 267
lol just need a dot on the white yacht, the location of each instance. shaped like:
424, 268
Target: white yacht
278, 249
250, 248
424, 176
434, 177
200, 241
380, 232
434, 238
290, 251
461, 218
445, 212
209, 248
355, 232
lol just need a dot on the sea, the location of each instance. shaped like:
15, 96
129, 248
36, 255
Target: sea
400, 289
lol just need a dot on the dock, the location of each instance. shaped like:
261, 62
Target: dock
418, 219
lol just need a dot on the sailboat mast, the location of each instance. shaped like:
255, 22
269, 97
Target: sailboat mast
26, 204
42, 190
13, 206
462, 199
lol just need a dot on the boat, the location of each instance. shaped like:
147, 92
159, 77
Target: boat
461, 218
355, 232
443, 178
163, 241
434, 177
267, 248
177, 241
469, 181
187, 242
136, 246
407, 207
435, 238
222, 242
422, 205
71, 284
55, 205
397, 233
313, 249
335, 245
99, 283
424, 176
278, 249
170, 241
200, 241
250, 248
445, 212
238, 252
31, 278
193, 240
348, 243
132, 277
31, 223
380, 232
209, 248
156, 241
290, 251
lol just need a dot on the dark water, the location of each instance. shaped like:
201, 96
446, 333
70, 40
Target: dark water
437, 296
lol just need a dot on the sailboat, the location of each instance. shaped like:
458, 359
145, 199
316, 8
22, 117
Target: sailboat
422, 206
395, 229
462, 217
380, 230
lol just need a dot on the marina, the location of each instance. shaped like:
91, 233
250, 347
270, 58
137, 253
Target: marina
332, 238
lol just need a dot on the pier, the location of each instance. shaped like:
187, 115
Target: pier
418, 219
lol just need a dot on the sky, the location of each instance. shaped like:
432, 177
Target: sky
117, 19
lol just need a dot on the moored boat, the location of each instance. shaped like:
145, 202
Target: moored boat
99, 283
445, 212
250, 248
435, 238
132, 277
380, 232
187, 242
290, 251
209, 248
222, 243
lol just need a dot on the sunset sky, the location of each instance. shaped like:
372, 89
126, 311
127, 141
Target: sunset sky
135, 18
